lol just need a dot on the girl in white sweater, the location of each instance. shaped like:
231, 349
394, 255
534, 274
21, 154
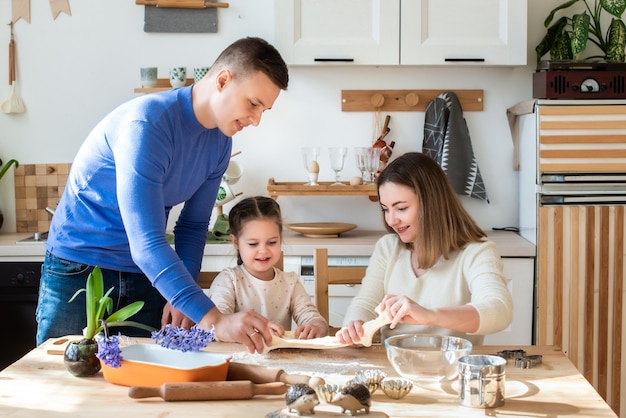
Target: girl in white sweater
436, 272
255, 225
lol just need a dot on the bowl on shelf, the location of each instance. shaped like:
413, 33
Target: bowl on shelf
153, 365
424, 358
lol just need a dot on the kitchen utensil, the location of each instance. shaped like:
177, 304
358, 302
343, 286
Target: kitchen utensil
261, 374
321, 229
153, 365
360, 155
208, 391
14, 103
481, 381
337, 157
426, 358
372, 163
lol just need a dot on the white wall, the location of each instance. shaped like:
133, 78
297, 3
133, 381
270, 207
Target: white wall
75, 69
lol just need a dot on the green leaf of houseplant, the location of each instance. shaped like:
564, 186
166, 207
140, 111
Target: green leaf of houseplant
565, 5
616, 41
554, 32
614, 7
562, 48
7, 166
580, 33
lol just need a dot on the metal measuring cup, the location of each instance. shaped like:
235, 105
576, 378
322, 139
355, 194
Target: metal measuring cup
481, 381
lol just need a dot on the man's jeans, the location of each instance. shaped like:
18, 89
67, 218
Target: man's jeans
60, 279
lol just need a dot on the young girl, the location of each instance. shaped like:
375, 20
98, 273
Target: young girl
256, 230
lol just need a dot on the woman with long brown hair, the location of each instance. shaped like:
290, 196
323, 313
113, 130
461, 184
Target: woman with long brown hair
435, 272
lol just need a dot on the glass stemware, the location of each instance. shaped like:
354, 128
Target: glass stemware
372, 163
360, 155
309, 157
337, 158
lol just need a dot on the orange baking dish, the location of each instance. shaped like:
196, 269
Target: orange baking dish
153, 365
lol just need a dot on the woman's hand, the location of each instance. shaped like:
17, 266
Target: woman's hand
405, 310
351, 333
314, 329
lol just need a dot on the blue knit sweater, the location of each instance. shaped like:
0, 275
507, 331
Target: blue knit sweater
145, 157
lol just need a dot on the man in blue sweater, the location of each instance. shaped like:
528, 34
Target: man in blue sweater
148, 155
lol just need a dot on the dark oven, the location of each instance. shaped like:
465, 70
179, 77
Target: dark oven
19, 287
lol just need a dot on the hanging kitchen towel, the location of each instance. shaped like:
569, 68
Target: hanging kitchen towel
447, 140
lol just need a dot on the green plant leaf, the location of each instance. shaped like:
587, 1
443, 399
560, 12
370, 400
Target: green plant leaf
580, 33
126, 312
7, 166
554, 32
562, 48
565, 5
614, 7
128, 324
616, 42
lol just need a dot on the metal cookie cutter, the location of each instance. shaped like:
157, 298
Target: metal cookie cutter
512, 354
527, 362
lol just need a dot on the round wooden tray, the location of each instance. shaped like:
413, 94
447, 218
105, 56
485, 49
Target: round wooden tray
321, 229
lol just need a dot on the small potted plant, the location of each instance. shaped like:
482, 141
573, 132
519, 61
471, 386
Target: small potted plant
80, 356
567, 38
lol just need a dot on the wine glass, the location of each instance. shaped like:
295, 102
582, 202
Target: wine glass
372, 162
309, 157
360, 155
337, 158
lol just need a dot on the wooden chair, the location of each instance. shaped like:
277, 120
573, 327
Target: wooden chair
330, 275
205, 278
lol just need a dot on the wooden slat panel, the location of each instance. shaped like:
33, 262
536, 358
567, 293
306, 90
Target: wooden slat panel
582, 139
583, 110
582, 153
588, 168
563, 129
582, 124
580, 296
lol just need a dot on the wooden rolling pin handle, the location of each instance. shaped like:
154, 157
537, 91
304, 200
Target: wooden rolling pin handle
260, 374
208, 391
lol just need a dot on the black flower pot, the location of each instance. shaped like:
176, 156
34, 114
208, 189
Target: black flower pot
80, 358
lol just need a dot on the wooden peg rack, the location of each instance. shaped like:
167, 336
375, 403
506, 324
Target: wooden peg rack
181, 4
404, 100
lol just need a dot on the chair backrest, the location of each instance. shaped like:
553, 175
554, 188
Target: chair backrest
326, 275
205, 278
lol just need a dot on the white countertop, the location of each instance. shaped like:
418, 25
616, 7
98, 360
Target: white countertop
352, 243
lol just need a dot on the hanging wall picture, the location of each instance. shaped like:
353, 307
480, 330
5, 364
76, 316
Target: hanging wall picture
181, 16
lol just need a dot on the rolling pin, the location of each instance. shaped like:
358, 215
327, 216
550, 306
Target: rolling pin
260, 374
208, 391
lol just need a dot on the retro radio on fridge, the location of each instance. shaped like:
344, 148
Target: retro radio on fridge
579, 80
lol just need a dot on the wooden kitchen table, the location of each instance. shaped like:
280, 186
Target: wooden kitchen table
39, 385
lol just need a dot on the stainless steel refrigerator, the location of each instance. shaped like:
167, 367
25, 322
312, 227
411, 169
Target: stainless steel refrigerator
572, 197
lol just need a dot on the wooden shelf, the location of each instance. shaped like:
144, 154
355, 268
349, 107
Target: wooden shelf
161, 85
324, 188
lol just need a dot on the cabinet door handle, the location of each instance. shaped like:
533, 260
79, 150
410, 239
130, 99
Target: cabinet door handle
333, 59
464, 59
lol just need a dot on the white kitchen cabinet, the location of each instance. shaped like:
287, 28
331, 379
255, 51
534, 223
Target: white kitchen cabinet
401, 32
445, 32
319, 32
520, 273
